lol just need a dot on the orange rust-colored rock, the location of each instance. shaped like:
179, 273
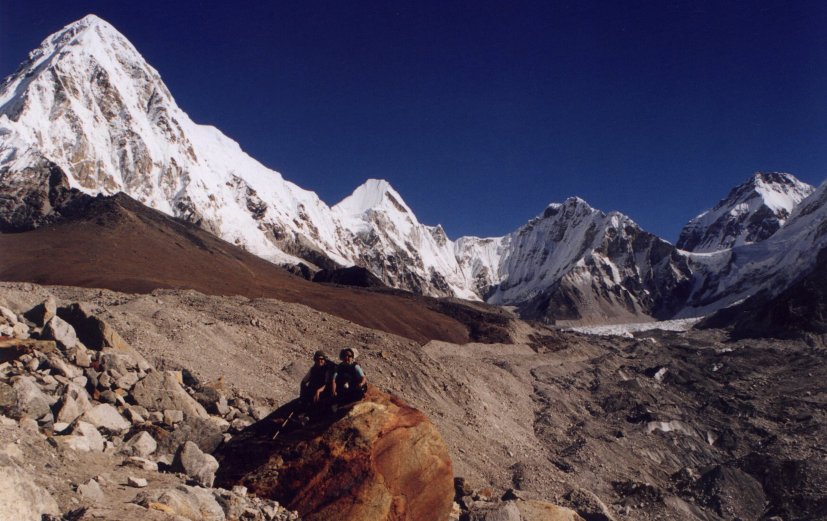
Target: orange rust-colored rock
380, 460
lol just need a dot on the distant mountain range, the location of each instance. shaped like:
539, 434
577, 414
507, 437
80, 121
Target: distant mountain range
86, 111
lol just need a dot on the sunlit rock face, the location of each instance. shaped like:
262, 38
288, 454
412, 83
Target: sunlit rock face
380, 460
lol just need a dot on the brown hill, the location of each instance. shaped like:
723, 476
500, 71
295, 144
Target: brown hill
119, 244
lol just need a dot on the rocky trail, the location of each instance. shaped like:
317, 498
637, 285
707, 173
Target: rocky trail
664, 425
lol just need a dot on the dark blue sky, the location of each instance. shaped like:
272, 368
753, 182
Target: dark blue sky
480, 113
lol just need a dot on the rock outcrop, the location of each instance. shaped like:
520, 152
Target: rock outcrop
378, 460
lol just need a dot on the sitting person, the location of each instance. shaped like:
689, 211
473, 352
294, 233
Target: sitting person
317, 380
348, 383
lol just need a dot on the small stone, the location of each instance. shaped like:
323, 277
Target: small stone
240, 490
61, 332
109, 396
20, 330
104, 381
85, 438
60, 427
83, 358
142, 444
43, 312
136, 482
8, 315
171, 417
191, 461
29, 424
91, 491
106, 417
142, 463
127, 381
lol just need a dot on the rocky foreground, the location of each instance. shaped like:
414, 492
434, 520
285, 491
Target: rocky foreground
664, 425
91, 430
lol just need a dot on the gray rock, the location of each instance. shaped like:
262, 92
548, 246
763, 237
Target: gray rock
199, 466
85, 438
171, 417
29, 400
91, 491
142, 444
588, 505
134, 416
104, 381
111, 362
21, 499
83, 358
43, 312
109, 396
192, 503
141, 463
259, 412
160, 390
61, 332
127, 381
132, 481
8, 315
98, 334
7, 397
207, 433
75, 401
20, 330
62, 367
106, 417
507, 511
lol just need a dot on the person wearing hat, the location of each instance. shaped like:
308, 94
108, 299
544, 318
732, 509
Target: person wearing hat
348, 383
316, 380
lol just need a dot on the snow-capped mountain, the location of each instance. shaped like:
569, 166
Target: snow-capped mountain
575, 262
729, 276
85, 111
750, 213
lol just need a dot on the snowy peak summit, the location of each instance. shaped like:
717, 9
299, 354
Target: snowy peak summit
373, 194
750, 213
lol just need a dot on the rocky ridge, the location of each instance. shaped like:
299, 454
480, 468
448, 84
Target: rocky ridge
750, 213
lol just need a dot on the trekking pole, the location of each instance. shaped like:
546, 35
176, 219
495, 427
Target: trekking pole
283, 424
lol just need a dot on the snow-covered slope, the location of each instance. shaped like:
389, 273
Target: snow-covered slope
750, 213
87, 100
577, 263
729, 276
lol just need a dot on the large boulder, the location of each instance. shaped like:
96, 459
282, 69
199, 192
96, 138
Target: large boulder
193, 503
61, 332
75, 401
21, 498
43, 312
199, 466
105, 416
85, 438
96, 333
28, 400
159, 391
378, 460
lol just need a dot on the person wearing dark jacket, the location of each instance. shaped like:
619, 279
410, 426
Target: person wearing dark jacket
317, 380
348, 383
